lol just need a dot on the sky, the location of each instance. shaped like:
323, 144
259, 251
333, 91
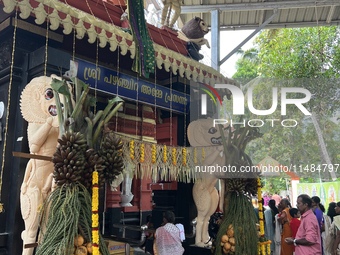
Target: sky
229, 40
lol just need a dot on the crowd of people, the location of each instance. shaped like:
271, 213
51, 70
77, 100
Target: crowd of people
306, 229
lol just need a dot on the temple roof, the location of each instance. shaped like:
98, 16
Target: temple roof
102, 19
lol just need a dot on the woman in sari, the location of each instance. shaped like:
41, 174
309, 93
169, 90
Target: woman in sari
333, 238
284, 219
167, 238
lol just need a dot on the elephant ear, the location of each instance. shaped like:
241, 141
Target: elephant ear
31, 109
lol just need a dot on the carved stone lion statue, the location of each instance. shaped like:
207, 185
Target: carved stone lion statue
203, 133
38, 108
193, 33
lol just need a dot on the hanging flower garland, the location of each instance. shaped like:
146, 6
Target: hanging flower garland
174, 156
132, 149
153, 154
203, 155
260, 207
184, 152
95, 216
164, 154
142, 153
195, 156
263, 241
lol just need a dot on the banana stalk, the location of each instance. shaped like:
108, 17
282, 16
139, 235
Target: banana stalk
113, 112
60, 114
89, 132
97, 117
82, 98
109, 106
104, 121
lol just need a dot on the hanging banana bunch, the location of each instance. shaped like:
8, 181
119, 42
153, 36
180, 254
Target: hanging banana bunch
111, 154
68, 159
76, 156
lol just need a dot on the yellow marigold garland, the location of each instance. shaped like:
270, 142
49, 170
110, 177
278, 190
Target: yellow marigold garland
268, 249
195, 156
262, 245
132, 149
153, 154
184, 156
95, 216
174, 156
260, 206
164, 154
203, 155
142, 153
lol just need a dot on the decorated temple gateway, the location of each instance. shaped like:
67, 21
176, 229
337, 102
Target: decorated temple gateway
102, 128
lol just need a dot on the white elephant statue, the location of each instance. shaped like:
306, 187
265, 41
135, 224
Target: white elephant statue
38, 108
203, 133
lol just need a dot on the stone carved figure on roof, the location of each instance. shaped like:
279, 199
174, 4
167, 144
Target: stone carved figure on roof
38, 108
203, 133
170, 5
193, 33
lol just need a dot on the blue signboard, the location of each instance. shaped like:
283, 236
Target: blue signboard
129, 87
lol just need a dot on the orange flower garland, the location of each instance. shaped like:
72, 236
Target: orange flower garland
184, 157
174, 156
153, 154
164, 154
142, 153
132, 150
95, 216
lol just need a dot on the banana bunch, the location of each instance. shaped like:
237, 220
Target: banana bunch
93, 162
111, 154
69, 158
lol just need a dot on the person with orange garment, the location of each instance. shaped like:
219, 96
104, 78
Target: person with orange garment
285, 219
277, 198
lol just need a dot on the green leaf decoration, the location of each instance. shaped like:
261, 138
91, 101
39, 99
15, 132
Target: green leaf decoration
56, 84
93, 101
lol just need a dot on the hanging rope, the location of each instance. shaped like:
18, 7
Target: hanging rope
8, 104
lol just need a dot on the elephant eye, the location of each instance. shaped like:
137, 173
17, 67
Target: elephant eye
49, 94
212, 130
203, 24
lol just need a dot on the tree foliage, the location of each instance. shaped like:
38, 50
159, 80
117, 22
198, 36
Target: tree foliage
303, 57
247, 66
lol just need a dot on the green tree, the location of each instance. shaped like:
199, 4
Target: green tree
246, 66
309, 58
246, 71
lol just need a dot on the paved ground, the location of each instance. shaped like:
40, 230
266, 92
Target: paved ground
139, 251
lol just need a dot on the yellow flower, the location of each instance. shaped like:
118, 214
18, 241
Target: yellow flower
95, 216
132, 151
268, 249
174, 156
184, 157
164, 154
153, 154
142, 153
195, 156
